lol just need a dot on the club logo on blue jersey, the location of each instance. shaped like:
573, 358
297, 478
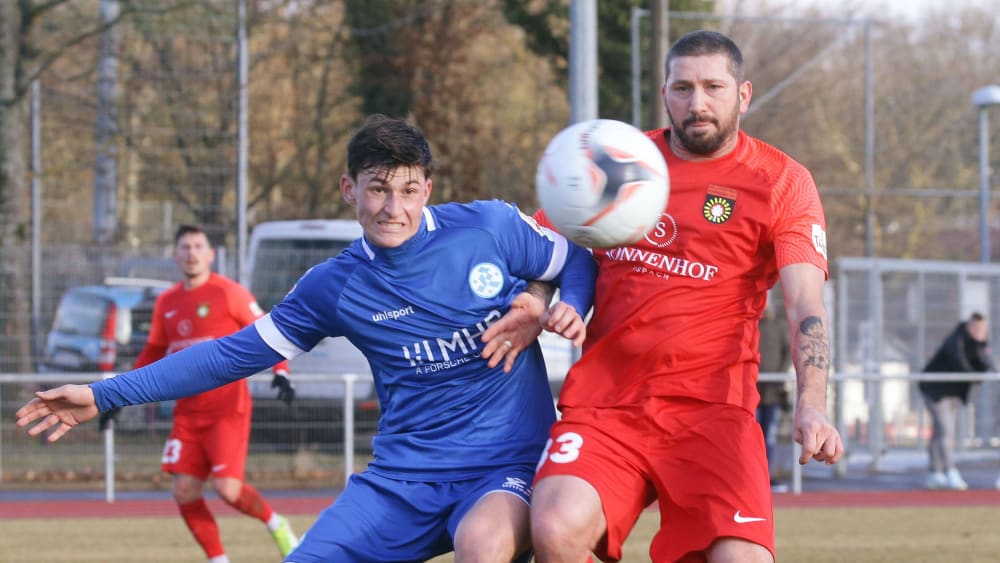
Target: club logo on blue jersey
486, 280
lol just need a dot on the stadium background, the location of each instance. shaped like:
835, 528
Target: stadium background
120, 158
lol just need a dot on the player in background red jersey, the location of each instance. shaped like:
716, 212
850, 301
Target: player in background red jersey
661, 404
211, 431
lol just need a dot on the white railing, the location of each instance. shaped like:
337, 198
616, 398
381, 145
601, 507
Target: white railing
838, 404
875, 418
32, 378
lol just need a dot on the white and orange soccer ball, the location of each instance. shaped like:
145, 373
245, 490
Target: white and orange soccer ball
602, 183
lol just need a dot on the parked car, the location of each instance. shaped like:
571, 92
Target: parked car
101, 327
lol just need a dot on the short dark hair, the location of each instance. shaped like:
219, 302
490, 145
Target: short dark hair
977, 316
705, 42
385, 143
188, 230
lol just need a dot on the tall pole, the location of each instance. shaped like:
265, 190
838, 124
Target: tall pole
242, 146
660, 18
636, 16
985, 98
105, 219
582, 60
36, 218
984, 186
869, 145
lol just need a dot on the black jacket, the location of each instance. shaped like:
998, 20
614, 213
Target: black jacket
958, 353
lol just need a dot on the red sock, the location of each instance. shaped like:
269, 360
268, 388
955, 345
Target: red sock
202, 525
252, 504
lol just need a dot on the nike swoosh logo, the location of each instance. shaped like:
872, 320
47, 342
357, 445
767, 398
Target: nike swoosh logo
217, 468
169, 314
744, 519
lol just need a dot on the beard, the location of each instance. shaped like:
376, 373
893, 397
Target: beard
703, 142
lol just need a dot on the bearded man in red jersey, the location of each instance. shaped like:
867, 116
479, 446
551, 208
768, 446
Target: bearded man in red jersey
660, 406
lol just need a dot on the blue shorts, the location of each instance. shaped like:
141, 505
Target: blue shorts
379, 519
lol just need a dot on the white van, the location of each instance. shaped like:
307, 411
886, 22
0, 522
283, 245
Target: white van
281, 251
278, 254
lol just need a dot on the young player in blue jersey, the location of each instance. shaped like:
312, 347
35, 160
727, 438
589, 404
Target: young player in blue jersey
460, 434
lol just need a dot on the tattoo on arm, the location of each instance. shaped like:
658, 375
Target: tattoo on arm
814, 344
541, 290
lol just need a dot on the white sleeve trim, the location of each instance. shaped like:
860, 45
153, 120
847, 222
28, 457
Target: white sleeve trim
558, 260
275, 339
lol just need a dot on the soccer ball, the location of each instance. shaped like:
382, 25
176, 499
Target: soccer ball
602, 183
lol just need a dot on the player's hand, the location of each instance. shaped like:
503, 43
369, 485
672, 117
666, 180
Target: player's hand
286, 392
61, 408
565, 321
107, 418
514, 331
819, 439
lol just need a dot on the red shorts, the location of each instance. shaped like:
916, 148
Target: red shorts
203, 446
705, 462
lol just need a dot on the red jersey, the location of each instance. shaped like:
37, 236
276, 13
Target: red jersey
676, 313
183, 317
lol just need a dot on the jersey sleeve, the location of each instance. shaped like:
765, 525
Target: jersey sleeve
571, 267
242, 304
534, 252
194, 370
798, 225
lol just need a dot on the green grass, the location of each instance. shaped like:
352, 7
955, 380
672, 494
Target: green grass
815, 535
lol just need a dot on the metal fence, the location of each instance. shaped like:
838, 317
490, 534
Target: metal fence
312, 443
888, 317
320, 443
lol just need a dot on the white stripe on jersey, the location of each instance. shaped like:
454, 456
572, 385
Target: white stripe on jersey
431, 223
273, 338
558, 257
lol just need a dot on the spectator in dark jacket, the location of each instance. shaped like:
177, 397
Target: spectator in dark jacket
965, 349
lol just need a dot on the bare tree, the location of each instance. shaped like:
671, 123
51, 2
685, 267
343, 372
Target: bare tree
27, 49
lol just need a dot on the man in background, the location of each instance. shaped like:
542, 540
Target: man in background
965, 349
211, 431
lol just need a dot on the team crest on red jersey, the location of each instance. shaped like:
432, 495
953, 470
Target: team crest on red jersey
202, 311
719, 204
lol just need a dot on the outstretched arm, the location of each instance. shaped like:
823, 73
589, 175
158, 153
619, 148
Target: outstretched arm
191, 371
810, 345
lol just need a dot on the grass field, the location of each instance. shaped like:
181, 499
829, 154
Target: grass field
814, 535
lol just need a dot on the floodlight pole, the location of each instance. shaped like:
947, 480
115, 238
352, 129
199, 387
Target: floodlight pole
582, 60
983, 99
636, 13
984, 186
242, 141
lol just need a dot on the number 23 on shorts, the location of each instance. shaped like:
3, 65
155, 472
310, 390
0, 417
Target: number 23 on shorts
567, 452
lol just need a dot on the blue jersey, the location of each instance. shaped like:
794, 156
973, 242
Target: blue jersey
418, 312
